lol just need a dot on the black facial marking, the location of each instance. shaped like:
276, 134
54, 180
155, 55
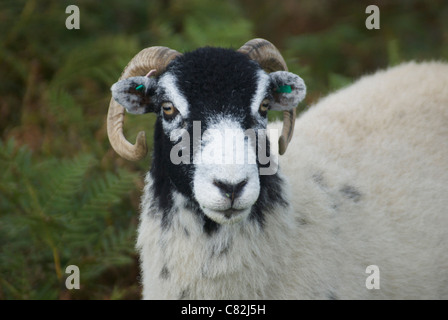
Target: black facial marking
351, 193
210, 226
271, 195
162, 185
216, 80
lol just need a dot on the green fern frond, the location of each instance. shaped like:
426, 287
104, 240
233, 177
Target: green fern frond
57, 212
88, 222
64, 107
106, 192
85, 61
63, 182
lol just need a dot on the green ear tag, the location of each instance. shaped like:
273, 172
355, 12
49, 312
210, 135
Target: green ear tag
284, 89
140, 87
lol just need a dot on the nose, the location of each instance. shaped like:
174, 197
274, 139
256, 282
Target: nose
230, 190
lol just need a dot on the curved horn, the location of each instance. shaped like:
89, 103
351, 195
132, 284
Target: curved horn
148, 59
270, 59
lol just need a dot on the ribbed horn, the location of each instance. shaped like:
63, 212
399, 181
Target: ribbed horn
270, 59
146, 60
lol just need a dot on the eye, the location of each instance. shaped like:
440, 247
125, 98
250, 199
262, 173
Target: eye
264, 106
169, 110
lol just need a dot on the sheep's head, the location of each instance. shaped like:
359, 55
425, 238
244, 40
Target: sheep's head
201, 98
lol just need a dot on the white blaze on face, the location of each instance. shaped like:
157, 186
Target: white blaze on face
227, 155
167, 82
260, 93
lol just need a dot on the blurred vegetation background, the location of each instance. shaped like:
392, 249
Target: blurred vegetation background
65, 196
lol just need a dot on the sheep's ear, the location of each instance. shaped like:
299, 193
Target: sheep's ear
288, 90
135, 94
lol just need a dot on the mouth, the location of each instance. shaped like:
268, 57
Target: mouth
231, 212
228, 216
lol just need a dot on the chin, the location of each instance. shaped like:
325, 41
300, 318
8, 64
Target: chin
229, 216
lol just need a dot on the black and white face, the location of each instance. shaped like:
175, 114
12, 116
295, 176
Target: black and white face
211, 141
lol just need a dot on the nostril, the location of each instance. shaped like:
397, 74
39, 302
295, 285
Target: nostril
230, 190
223, 186
239, 186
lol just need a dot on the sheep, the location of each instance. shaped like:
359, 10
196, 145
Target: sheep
363, 185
